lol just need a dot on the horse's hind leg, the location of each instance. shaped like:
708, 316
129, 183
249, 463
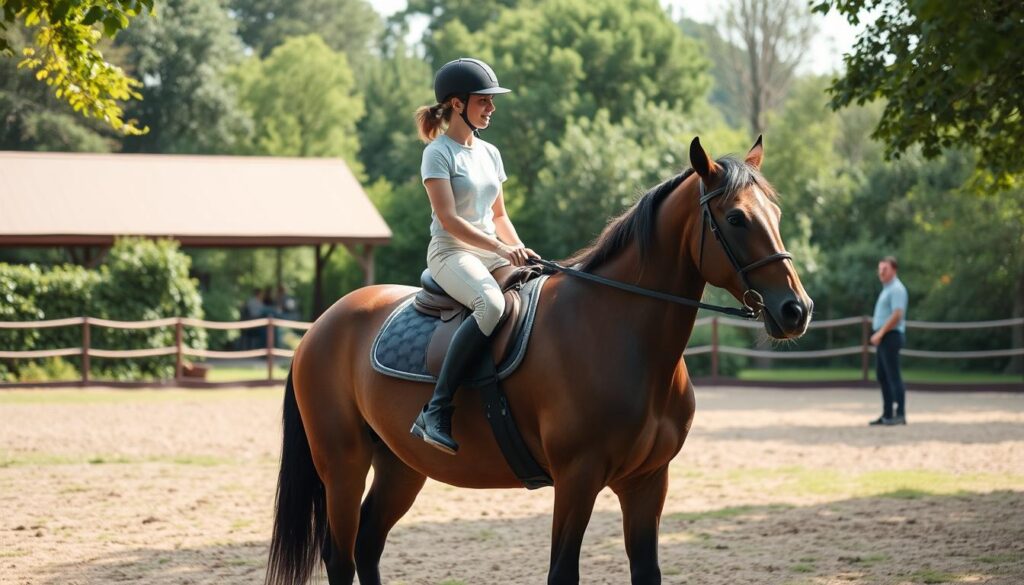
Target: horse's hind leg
342, 449
394, 489
642, 500
344, 486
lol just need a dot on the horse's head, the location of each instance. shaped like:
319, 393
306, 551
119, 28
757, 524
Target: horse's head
739, 210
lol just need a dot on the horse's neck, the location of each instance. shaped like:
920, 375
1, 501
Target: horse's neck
662, 328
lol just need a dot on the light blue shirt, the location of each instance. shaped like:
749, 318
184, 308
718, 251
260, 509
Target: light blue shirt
892, 297
476, 174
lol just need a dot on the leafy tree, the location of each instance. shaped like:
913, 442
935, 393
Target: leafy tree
406, 209
65, 53
348, 26
952, 222
34, 119
183, 54
393, 87
949, 72
570, 58
303, 101
473, 15
599, 169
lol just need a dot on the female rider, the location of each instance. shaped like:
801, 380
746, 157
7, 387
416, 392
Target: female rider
471, 235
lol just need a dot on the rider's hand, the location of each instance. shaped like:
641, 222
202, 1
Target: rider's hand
517, 255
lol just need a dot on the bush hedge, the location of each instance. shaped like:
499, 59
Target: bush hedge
139, 280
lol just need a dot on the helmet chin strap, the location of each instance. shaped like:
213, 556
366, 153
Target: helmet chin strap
465, 117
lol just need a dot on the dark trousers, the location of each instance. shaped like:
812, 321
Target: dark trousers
888, 374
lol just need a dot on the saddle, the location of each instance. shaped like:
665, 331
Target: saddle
414, 339
433, 301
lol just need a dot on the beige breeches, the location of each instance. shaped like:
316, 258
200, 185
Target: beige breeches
464, 273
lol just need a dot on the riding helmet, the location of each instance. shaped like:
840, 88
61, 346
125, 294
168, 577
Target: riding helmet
462, 77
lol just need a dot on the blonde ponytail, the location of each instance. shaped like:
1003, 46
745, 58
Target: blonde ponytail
430, 119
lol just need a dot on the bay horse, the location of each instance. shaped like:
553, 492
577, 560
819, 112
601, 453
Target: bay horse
602, 397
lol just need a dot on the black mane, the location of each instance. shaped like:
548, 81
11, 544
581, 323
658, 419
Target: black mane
637, 224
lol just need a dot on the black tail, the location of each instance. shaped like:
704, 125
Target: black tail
300, 520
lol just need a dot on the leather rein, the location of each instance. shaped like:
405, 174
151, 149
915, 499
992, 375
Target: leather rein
753, 302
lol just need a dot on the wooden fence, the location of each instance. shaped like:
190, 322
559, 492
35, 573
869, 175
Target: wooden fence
715, 349
180, 350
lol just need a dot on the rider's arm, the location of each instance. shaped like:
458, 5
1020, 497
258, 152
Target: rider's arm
503, 224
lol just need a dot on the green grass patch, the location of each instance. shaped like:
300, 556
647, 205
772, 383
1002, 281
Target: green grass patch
930, 576
730, 512
905, 484
802, 568
998, 559
133, 396
221, 373
46, 459
855, 374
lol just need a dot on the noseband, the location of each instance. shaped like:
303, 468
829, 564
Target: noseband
752, 299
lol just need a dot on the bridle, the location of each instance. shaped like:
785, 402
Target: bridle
708, 218
753, 302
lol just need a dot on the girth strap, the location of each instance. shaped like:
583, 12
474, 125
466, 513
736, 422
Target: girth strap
506, 433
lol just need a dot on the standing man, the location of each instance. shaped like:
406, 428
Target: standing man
890, 327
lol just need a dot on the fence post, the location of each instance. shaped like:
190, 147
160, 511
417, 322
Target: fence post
270, 348
714, 349
85, 351
179, 362
865, 334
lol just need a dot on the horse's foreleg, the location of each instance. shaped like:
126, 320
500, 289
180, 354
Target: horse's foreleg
394, 489
642, 500
574, 503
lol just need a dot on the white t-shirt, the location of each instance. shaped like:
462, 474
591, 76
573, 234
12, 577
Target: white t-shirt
476, 174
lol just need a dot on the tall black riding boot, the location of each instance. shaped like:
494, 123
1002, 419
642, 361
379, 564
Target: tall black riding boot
434, 423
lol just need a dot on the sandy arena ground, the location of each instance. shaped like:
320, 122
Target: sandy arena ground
788, 487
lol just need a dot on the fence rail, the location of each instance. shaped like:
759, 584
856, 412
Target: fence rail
865, 349
179, 349
715, 349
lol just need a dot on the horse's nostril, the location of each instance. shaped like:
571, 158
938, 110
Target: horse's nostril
793, 312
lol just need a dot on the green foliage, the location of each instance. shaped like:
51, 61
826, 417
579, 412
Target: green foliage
28, 293
599, 169
393, 87
140, 280
36, 120
948, 71
568, 59
183, 54
951, 223
347, 26
303, 101
146, 280
406, 209
66, 54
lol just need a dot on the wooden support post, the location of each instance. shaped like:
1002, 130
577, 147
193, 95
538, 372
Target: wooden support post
714, 349
179, 341
270, 348
865, 340
367, 263
86, 341
318, 285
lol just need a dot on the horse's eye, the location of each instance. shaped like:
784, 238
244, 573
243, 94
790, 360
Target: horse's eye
735, 219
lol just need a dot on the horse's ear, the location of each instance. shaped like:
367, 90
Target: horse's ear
701, 161
756, 154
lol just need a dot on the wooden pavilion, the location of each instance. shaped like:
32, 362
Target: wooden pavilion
84, 201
